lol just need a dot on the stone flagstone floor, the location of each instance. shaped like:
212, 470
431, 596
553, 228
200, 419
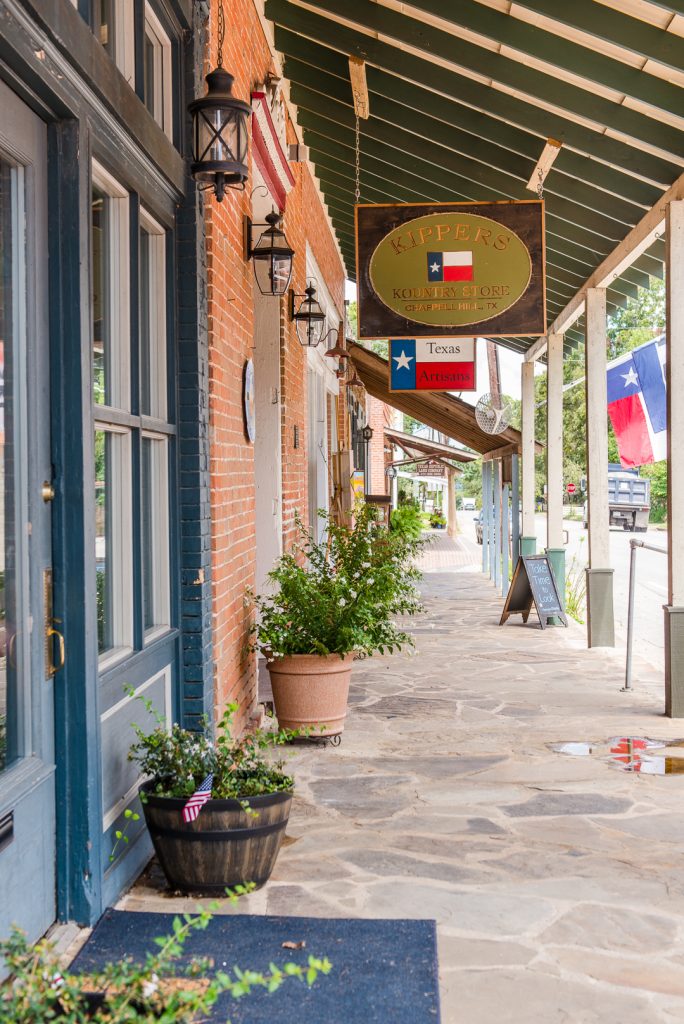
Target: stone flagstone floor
556, 881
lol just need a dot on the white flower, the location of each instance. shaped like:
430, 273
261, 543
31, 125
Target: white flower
352, 593
365, 565
150, 987
341, 602
370, 580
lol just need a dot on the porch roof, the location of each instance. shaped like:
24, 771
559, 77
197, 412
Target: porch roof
437, 409
463, 97
414, 445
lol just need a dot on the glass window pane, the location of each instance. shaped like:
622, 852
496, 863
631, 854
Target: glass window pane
100, 278
155, 533
113, 551
10, 698
153, 384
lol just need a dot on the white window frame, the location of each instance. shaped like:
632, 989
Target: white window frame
119, 304
156, 327
162, 70
161, 559
118, 563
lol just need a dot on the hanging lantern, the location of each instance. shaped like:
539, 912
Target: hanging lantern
220, 130
355, 381
309, 318
367, 433
272, 255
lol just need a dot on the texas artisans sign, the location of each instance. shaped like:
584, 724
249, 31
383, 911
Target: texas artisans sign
440, 269
432, 364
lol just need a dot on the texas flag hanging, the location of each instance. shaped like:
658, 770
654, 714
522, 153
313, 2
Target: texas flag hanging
637, 405
450, 266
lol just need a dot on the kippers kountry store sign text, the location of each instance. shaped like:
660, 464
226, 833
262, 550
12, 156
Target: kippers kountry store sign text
440, 269
432, 364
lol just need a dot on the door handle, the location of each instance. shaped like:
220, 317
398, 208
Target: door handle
51, 634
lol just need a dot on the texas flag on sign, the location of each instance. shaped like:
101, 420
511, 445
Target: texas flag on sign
637, 404
450, 266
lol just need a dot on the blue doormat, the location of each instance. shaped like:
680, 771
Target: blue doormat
384, 972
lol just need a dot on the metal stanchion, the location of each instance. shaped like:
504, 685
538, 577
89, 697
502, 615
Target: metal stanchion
633, 544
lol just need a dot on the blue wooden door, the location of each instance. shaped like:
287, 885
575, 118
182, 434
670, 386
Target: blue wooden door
29, 652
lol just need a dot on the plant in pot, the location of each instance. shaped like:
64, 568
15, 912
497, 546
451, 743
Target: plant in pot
160, 989
437, 521
333, 600
240, 795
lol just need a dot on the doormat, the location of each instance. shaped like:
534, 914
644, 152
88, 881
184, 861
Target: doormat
384, 971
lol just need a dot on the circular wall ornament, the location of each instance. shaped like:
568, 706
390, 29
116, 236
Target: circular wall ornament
248, 400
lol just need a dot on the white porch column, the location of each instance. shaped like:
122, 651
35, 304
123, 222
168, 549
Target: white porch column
555, 546
528, 541
674, 609
600, 617
452, 521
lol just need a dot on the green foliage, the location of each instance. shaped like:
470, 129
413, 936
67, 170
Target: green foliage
352, 319
576, 587
160, 990
657, 472
120, 835
179, 760
338, 596
471, 479
437, 520
408, 520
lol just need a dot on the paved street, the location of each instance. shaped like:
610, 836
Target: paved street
651, 586
555, 879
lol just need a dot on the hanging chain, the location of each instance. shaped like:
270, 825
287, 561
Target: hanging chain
357, 192
540, 183
221, 33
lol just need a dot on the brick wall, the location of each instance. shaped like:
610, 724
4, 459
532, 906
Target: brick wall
230, 326
379, 417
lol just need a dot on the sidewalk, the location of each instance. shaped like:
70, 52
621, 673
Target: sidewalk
556, 881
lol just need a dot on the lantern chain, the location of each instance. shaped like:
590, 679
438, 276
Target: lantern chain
540, 183
357, 192
221, 33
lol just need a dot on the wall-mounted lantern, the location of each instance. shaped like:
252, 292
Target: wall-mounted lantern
392, 472
309, 319
272, 255
355, 381
220, 130
367, 434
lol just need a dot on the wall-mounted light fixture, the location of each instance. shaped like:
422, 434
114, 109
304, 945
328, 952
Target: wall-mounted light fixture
309, 319
367, 433
220, 130
355, 381
392, 472
272, 255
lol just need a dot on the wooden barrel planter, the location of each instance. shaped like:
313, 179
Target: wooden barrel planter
223, 847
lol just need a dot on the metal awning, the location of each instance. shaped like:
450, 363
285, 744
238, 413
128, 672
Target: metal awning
418, 447
463, 97
437, 409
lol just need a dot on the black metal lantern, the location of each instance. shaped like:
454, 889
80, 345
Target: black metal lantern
309, 318
367, 433
272, 255
220, 130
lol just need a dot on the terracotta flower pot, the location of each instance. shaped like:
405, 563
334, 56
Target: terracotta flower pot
310, 691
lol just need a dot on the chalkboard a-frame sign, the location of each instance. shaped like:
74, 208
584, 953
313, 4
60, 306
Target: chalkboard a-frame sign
534, 583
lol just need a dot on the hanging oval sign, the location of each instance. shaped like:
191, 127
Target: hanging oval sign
450, 269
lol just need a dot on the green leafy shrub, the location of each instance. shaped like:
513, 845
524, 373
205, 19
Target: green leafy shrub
407, 519
339, 595
179, 760
160, 990
437, 521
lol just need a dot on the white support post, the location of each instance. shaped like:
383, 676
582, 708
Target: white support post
486, 470
496, 505
600, 617
674, 610
555, 547
528, 541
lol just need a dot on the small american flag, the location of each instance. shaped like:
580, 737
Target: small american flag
198, 799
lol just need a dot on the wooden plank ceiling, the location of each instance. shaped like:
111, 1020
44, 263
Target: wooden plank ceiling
463, 96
